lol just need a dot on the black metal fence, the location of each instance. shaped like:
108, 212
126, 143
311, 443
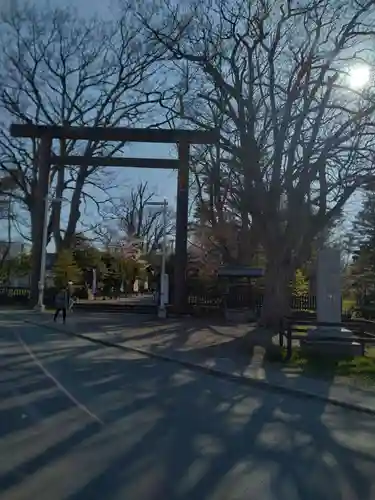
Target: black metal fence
14, 296
205, 298
240, 298
20, 296
303, 303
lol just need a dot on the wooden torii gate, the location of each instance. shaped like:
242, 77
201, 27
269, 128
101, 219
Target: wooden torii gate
183, 139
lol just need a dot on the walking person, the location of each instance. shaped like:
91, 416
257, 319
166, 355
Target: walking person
61, 302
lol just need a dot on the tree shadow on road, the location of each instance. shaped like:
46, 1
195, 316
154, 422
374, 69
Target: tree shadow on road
278, 437
175, 333
170, 433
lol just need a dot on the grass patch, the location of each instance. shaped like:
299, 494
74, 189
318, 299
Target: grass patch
361, 368
348, 304
302, 329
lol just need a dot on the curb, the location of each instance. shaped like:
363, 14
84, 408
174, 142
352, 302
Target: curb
239, 379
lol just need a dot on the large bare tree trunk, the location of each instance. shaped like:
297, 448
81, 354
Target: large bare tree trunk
277, 293
75, 213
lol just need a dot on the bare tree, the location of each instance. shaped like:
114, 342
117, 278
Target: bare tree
58, 68
222, 225
7, 213
297, 130
131, 219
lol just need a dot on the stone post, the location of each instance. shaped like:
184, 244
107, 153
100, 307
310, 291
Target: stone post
329, 286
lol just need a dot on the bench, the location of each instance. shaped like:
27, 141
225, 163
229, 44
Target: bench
294, 329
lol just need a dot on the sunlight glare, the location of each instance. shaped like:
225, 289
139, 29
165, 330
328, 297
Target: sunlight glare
359, 77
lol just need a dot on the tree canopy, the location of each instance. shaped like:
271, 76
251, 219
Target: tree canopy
296, 136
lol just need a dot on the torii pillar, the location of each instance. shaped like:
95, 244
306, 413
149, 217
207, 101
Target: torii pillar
180, 267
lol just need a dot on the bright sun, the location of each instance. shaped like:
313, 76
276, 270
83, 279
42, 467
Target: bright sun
359, 77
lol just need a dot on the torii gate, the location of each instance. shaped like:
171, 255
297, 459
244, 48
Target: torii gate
183, 139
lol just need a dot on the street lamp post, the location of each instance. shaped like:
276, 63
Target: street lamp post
162, 312
43, 256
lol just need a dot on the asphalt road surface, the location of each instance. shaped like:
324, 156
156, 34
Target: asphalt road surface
80, 422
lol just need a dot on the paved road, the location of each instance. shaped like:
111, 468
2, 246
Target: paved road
81, 422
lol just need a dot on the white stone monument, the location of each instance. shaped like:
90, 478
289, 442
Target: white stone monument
329, 286
328, 298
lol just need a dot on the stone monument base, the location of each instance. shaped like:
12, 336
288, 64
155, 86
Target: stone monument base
322, 341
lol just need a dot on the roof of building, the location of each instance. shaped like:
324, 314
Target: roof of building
240, 272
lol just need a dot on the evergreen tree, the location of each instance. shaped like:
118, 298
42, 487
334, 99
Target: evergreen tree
301, 284
362, 272
87, 258
66, 269
364, 224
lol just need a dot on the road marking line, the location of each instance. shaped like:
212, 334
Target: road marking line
56, 382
